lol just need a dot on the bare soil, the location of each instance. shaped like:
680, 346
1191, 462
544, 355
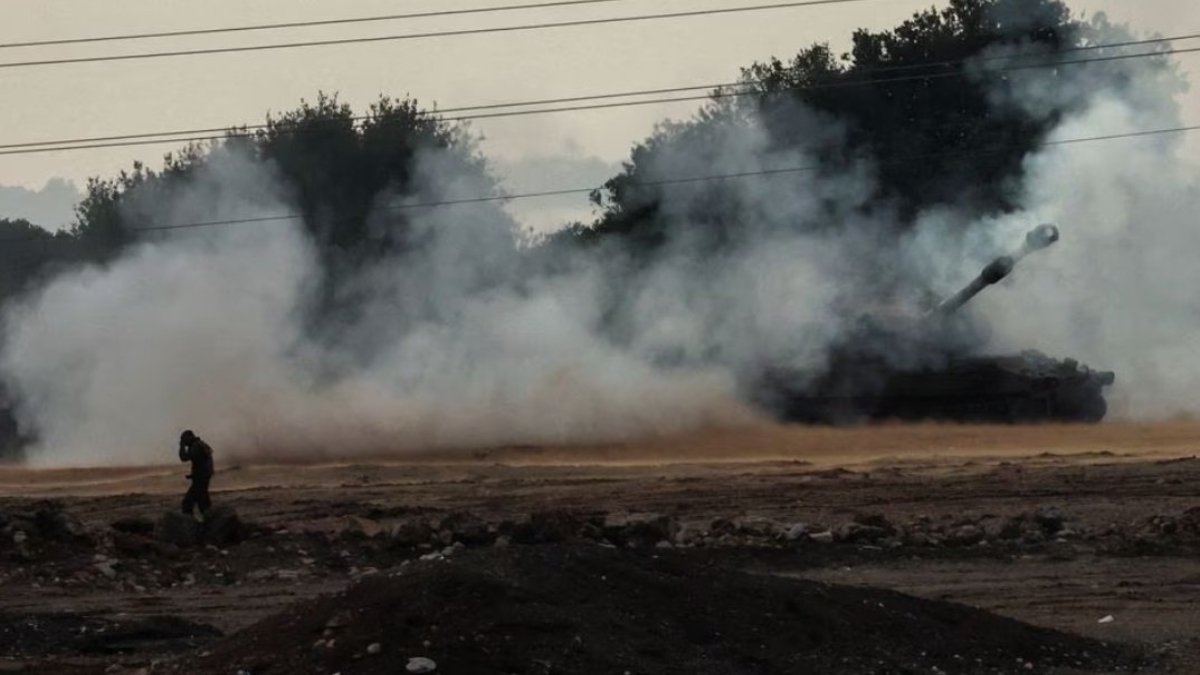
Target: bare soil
1055, 527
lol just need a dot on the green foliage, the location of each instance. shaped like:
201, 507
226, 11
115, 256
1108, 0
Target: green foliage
936, 136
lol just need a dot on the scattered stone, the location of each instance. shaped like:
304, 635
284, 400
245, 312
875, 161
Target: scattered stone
649, 528
374, 648
178, 529
547, 527
420, 664
468, 529
1050, 519
851, 533
411, 532
134, 525
796, 532
54, 523
967, 535
825, 537
339, 620
721, 526
223, 527
365, 527
757, 526
875, 520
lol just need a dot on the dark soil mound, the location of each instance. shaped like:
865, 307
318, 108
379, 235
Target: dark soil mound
556, 609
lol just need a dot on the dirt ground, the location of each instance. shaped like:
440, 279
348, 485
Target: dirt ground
1088, 530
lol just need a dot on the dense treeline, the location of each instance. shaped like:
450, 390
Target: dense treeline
967, 150
934, 130
903, 98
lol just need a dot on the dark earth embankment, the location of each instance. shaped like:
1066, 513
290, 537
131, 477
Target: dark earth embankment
591, 609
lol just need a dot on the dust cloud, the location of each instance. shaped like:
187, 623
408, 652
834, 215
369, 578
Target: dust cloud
479, 342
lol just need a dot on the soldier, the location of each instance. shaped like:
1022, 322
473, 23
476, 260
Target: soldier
200, 454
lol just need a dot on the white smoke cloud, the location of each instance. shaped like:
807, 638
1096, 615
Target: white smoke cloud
1118, 292
205, 330
462, 344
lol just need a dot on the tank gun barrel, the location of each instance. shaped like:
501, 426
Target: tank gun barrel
1039, 238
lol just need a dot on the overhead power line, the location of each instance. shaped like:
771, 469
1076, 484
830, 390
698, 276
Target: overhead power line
520, 109
656, 183
427, 35
680, 181
303, 24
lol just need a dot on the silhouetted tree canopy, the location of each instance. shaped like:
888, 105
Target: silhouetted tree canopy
933, 132
26, 252
334, 165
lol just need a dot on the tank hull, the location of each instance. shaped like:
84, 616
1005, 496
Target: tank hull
1027, 388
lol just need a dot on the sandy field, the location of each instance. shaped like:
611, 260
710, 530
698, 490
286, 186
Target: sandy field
1092, 531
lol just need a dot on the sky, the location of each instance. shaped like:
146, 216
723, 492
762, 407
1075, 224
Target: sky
544, 152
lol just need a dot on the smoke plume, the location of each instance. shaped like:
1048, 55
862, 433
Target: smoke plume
471, 341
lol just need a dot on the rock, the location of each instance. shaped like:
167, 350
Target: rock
722, 526
375, 648
651, 526
966, 535
223, 527
106, 569
411, 532
917, 538
19, 537
876, 520
178, 529
468, 529
547, 527
1032, 538
856, 533
1013, 528
825, 537
420, 664
1049, 518
54, 523
759, 527
137, 546
339, 620
365, 527
640, 529
796, 532
134, 525
688, 535
1107, 619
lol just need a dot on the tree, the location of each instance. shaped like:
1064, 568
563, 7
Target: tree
341, 171
335, 165
906, 99
26, 252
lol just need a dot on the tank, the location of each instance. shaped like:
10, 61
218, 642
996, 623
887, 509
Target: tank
940, 378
